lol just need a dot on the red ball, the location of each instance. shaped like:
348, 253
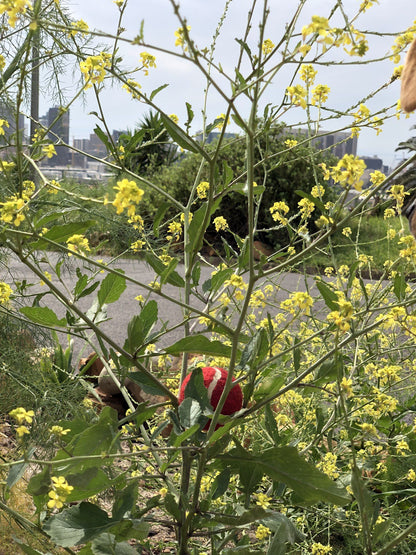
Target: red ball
214, 381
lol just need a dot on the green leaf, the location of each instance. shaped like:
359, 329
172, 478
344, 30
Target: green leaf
173, 278
190, 413
61, 233
180, 137
25, 548
172, 506
252, 515
328, 294
77, 524
399, 286
147, 384
284, 464
156, 91
106, 544
42, 315
195, 389
103, 137
125, 501
217, 280
242, 188
255, 349
181, 438
195, 228
316, 201
159, 217
17, 471
111, 288
199, 343
220, 484
87, 483
140, 326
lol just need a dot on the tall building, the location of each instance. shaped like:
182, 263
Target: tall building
14, 124
57, 121
338, 143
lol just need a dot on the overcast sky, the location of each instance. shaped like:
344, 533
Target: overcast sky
349, 84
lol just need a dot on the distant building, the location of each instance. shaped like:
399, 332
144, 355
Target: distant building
15, 124
57, 122
93, 146
338, 143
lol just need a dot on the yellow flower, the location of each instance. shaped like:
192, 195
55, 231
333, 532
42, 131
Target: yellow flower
128, 196
22, 415
263, 500
328, 465
308, 73
14, 9
320, 94
148, 60
411, 475
79, 26
398, 193
132, 87
21, 431
3, 123
306, 208
58, 431
202, 189
180, 37
94, 68
174, 118
320, 549
59, 492
278, 212
49, 150
77, 243
297, 95
5, 292
175, 231
262, 532
267, 47
220, 223
137, 246
291, 143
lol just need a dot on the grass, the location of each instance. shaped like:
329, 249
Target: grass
368, 239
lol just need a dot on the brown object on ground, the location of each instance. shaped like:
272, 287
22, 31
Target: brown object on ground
260, 249
94, 368
408, 86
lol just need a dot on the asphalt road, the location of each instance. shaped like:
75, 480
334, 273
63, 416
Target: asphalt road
121, 312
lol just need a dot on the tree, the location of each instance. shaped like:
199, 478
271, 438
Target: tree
148, 146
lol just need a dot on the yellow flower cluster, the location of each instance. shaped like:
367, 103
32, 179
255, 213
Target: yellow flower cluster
3, 123
148, 60
175, 231
278, 212
263, 500
267, 47
180, 37
59, 492
94, 68
13, 208
262, 532
398, 193
347, 172
79, 26
202, 189
343, 316
14, 9
220, 223
58, 431
320, 549
132, 87
22, 417
127, 197
299, 300
77, 243
5, 292
328, 465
